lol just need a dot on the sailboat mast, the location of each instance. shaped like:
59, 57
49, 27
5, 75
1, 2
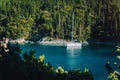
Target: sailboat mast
72, 25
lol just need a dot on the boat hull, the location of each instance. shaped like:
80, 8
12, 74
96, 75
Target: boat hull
73, 44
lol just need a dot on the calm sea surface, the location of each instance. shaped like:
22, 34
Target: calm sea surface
93, 57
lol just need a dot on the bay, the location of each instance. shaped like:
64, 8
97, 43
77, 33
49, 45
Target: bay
93, 57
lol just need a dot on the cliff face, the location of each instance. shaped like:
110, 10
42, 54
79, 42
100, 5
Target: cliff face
4, 46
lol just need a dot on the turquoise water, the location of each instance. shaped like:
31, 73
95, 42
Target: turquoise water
92, 57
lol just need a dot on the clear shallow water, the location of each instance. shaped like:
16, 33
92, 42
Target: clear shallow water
92, 57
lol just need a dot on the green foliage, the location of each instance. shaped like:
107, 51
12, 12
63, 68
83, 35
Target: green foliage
118, 49
106, 27
34, 19
2, 30
113, 73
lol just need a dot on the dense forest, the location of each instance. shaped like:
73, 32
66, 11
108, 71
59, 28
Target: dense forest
33, 19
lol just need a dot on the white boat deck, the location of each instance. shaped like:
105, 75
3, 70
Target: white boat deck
73, 44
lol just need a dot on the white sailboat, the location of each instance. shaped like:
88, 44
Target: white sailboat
72, 43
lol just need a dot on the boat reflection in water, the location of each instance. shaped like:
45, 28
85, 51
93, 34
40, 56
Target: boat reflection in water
74, 51
73, 54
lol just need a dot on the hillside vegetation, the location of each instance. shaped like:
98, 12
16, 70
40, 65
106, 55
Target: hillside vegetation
34, 19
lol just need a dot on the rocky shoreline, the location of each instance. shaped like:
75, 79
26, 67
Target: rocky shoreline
54, 42
21, 40
59, 42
